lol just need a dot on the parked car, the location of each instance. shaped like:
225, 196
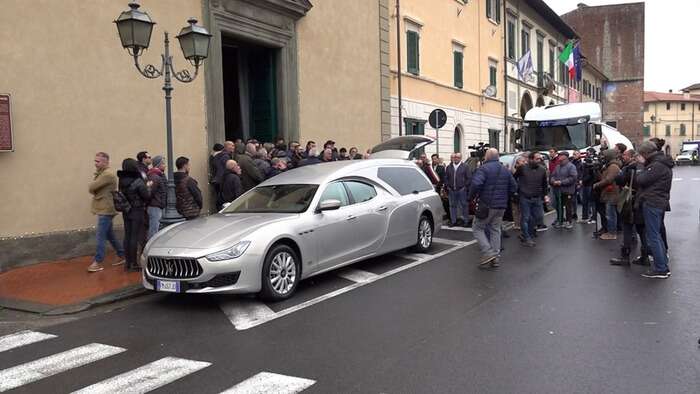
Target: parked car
296, 225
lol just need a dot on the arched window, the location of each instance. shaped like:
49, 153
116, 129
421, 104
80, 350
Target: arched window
540, 101
458, 139
525, 104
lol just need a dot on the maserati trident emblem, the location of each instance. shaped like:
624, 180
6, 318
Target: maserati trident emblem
170, 251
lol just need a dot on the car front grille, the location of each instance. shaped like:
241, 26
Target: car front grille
174, 267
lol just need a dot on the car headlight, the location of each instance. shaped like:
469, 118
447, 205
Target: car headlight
231, 253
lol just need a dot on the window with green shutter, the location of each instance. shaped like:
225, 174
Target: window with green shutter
493, 69
682, 130
493, 10
511, 40
647, 131
458, 66
413, 52
668, 130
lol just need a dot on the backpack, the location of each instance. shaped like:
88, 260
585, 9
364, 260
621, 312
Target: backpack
121, 203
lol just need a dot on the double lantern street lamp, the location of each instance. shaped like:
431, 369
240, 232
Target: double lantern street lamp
135, 29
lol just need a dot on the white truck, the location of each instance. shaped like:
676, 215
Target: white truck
689, 153
575, 126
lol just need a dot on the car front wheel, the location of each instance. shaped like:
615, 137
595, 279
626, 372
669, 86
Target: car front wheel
280, 274
425, 234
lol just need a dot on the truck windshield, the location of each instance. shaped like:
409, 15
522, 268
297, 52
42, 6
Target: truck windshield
561, 137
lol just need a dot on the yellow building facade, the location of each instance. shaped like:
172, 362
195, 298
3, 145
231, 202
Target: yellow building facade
451, 51
299, 69
674, 117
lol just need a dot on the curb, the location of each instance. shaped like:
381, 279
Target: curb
53, 310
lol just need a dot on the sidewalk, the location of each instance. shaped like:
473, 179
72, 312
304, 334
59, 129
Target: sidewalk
65, 286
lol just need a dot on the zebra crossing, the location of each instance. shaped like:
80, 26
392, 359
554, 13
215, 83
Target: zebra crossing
142, 379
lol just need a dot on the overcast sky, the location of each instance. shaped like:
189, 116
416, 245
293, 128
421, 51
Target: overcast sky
671, 49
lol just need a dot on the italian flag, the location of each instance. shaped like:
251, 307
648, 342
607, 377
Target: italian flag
567, 57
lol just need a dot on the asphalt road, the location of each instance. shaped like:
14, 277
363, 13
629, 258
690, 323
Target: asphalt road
556, 318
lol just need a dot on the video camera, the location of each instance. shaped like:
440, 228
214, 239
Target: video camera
479, 150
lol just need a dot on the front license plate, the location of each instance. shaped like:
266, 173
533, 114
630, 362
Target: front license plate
170, 286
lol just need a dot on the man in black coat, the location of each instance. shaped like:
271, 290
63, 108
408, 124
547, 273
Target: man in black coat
532, 187
219, 165
654, 198
138, 194
457, 182
231, 187
188, 197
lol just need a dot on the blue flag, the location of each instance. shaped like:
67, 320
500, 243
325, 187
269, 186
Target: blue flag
577, 62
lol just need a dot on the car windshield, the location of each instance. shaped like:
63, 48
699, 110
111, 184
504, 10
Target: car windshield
561, 137
274, 199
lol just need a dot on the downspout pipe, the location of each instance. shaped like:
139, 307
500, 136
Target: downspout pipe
506, 133
398, 58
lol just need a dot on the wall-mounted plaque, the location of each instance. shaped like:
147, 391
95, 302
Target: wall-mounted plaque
6, 144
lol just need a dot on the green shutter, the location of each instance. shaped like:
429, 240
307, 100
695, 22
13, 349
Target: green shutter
412, 46
498, 10
458, 65
647, 132
492, 75
488, 9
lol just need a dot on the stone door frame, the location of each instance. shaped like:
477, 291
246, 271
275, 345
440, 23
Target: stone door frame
270, 23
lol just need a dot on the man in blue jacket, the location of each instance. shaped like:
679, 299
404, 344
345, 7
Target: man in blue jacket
493, 185
563, 180
457, 179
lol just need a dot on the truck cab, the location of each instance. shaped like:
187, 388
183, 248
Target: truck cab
575, 126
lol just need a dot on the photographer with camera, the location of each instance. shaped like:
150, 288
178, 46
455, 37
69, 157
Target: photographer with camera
632, 219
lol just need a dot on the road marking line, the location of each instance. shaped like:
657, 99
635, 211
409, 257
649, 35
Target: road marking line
417, 256
466, 229
148, 377
677, 179
696, 179
266, 382
48, 366
22, 338
244, 312
240, 321
448, 241
355, 275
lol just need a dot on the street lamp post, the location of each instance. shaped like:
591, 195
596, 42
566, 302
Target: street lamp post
135, 29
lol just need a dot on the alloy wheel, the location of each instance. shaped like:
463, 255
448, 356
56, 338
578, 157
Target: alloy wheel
283, 273
425, 234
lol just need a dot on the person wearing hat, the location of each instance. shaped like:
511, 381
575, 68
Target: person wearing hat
156, 205
563, 181
609, 191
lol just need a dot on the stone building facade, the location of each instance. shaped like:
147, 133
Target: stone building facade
451, 51
612, 37
674, 117
305, 70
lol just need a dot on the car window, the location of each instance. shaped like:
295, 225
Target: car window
274, 199
336, 191
404, 180
360, 191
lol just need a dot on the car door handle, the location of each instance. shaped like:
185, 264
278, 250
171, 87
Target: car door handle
382, 209
351, 217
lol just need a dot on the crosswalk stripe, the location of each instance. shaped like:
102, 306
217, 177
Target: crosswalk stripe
448, 241
266, 382
677, 179
355, 275
244, 313
465, 229
22, 338
148, 377
48, 366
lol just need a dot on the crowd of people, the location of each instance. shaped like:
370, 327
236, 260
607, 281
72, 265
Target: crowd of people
139, 190
620, 190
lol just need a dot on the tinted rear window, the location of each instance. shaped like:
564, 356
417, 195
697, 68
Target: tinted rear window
404, 180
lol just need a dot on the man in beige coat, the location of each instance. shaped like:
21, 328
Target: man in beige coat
101, 188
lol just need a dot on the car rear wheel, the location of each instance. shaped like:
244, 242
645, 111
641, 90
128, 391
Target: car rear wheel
280, 274
425, 234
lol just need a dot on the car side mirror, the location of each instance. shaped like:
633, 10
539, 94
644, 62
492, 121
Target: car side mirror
329, 205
